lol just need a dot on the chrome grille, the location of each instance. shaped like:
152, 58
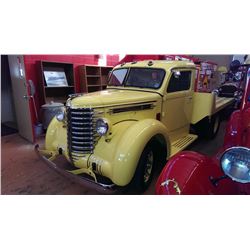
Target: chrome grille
81, 134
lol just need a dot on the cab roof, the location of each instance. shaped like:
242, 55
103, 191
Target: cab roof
164, 64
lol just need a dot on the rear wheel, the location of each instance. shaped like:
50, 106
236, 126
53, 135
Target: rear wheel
208, 128
214, 125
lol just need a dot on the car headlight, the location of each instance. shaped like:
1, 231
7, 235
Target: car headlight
60, 116
235, 163
102, 126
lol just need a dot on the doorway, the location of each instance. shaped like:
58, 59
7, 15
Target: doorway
8, 116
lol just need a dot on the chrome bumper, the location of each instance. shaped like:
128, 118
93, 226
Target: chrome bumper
50, 156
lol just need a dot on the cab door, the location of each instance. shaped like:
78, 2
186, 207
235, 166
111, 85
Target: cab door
178, 102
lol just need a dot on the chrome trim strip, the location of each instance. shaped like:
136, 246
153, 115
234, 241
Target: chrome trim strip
132, 108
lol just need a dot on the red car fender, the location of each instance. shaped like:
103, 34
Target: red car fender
246, 128
238, 130
233, 130
190, 172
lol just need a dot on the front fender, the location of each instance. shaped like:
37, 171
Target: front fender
56, 136
115, 156
233, 130
238, 129
132, 144
125, 147
176, 175
191, 173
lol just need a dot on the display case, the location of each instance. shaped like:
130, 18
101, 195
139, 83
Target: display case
56, 81
93, 78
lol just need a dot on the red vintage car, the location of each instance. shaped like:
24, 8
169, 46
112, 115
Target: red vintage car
228, 172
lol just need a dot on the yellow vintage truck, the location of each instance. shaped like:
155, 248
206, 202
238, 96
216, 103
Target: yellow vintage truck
115, 138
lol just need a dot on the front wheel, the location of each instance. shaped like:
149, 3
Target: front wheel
145, 169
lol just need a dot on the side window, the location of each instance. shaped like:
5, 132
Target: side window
179, 82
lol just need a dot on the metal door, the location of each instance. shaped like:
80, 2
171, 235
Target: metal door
21, 97
177, 104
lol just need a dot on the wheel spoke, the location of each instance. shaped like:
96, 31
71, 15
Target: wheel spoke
149, 166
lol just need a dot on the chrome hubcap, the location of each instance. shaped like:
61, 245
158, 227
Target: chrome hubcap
149, 166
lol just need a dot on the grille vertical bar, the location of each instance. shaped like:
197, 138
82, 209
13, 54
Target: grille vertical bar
80, 132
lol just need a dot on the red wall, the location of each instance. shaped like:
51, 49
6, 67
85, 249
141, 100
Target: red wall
31, 71
112, 60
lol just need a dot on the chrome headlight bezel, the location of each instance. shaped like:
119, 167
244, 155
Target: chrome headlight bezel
102, 126
60, 116
235, 163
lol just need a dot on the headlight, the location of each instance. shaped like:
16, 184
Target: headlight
60, 116
102, 126
235, 163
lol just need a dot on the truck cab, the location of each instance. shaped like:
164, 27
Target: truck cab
116, 137
171, 81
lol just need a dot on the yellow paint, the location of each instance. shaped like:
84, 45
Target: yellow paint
221, 103
177, 106
116, 155
181, 143
203, 105
207, 104
119, 157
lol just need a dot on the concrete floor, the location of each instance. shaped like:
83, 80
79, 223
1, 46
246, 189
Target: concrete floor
24, 173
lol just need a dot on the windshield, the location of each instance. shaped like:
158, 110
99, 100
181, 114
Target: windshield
117, 77
137, 77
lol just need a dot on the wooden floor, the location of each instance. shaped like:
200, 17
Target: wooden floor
24, 173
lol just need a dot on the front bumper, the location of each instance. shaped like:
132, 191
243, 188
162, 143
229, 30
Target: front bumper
50, 156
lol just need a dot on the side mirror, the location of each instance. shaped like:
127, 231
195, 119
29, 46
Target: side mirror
235, 163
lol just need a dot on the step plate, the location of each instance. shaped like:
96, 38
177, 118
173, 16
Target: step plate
182, 143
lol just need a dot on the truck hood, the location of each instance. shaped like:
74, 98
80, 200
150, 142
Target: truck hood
113, 97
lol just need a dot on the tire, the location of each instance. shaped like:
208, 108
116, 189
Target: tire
208, 128
144, 171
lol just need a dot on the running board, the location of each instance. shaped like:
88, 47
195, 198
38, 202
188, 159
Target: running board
182, 143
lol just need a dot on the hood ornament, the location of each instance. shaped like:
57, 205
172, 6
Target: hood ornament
176, 185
